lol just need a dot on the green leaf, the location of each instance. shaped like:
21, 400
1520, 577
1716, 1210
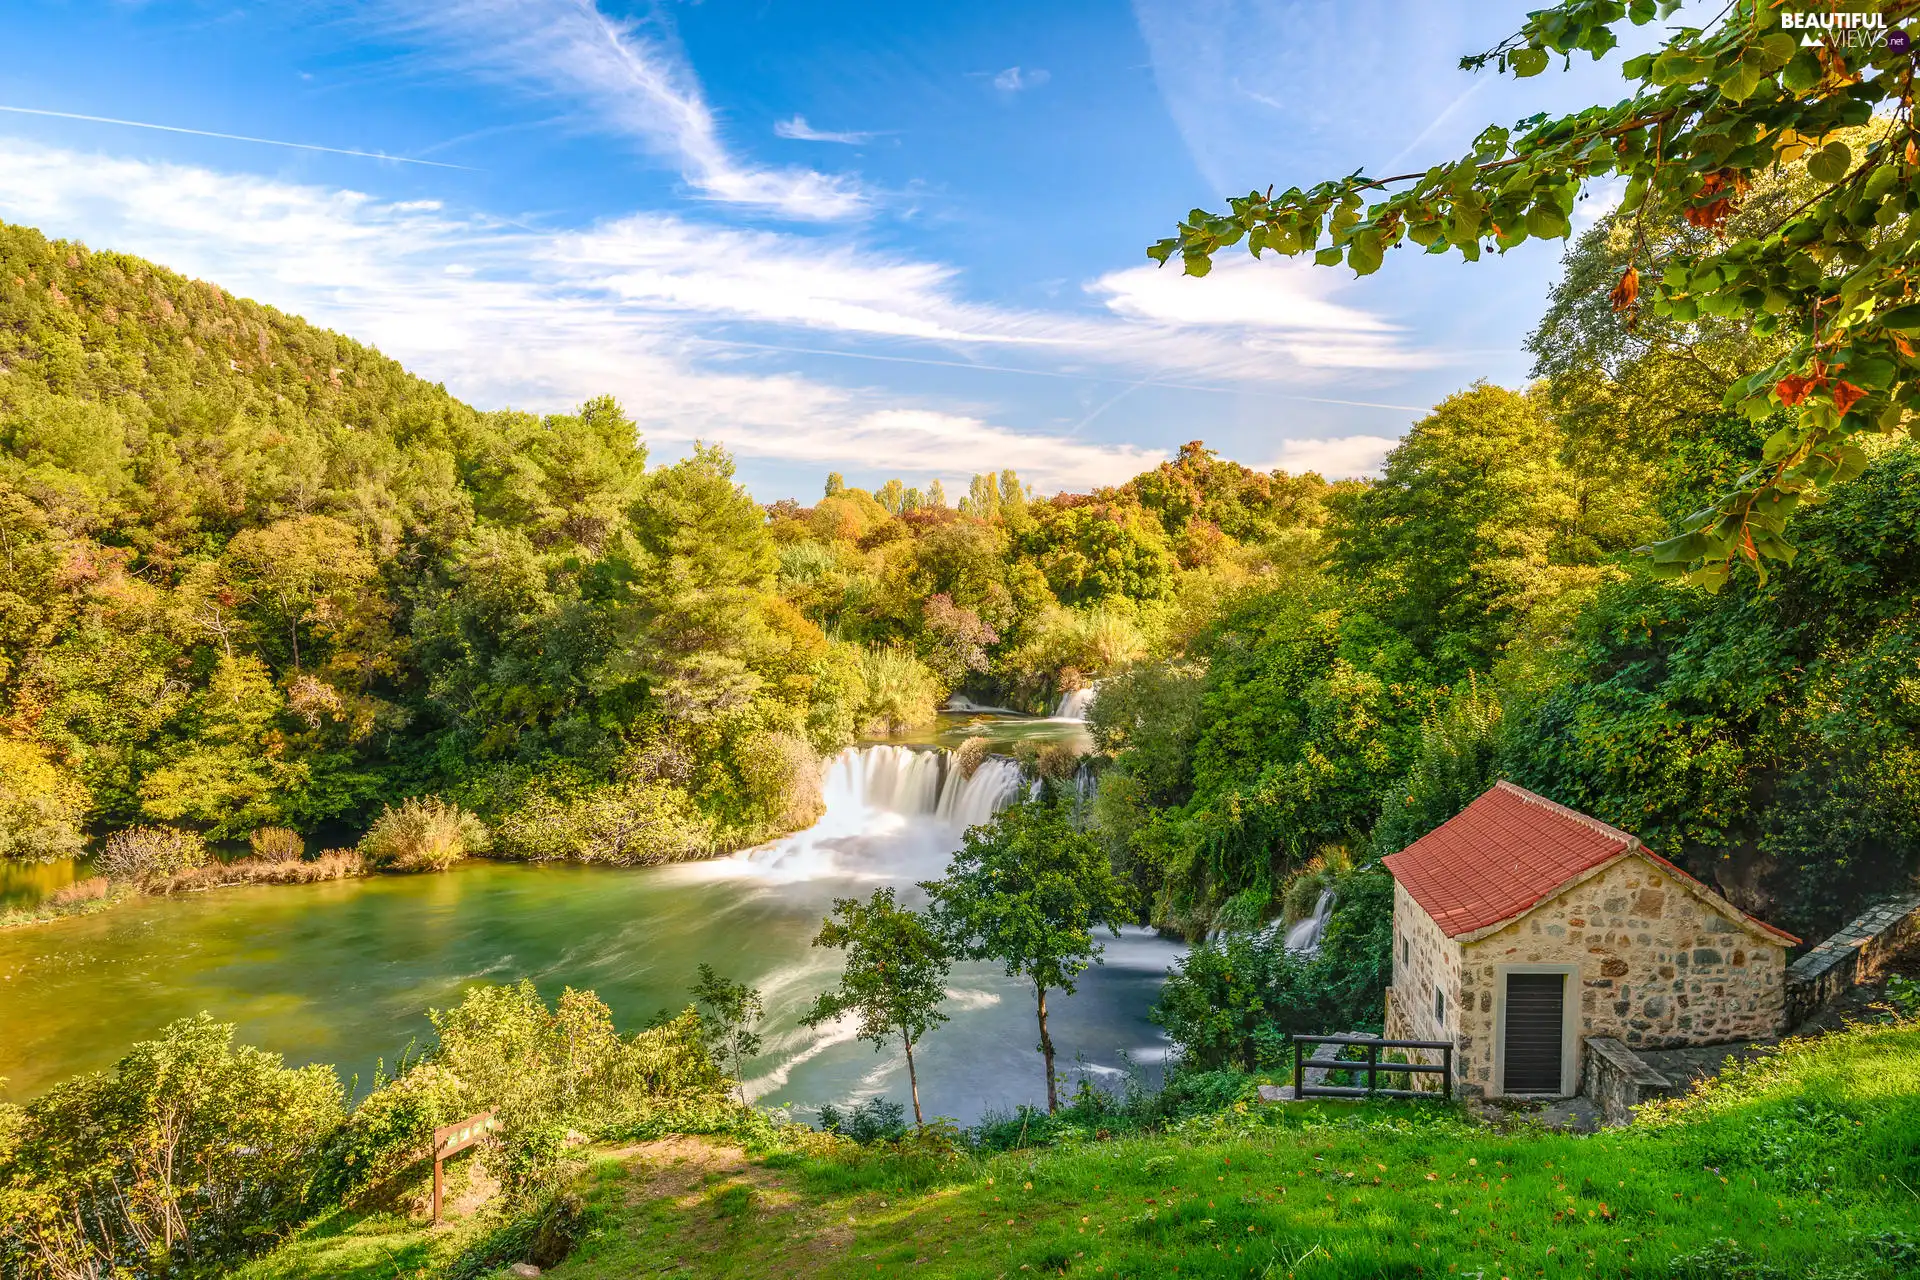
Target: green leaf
1677, 67
1906, 319
1328, 257
1198, 264
1830, 163
1365, 254
1875, 372
1527, 62
1547, 222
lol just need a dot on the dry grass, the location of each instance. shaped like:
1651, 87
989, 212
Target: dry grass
334, 864
92, 889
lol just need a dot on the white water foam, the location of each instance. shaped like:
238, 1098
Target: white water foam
892, 813
1073, 705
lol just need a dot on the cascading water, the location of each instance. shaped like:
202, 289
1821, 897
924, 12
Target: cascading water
891, 813
1304, 937
1073, 704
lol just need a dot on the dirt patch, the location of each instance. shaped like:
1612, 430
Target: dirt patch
687, 1170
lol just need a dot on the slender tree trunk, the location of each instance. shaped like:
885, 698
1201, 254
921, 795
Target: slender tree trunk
913, 1082
1046, 1050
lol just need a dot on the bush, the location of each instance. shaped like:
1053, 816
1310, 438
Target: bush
92, 889
139, 854
277, 844
422, 835
902, 692
632, 823
389, 1131
968, 756
188, 1152
1233, 1000
866, 1122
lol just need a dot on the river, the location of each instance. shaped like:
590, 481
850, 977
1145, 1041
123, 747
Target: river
344, 972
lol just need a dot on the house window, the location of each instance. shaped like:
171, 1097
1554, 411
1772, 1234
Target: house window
1439, 1006
1406, 952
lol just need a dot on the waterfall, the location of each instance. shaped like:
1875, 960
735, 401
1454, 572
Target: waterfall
892, 812
1074, 703
1304, 937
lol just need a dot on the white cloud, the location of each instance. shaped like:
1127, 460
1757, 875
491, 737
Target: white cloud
800, 131
1274, 309
1274, 293
635, 79
1014, 79
1335, 457
453, 298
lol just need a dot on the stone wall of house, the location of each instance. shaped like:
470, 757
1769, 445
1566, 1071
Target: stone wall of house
1658, 966
1423, 956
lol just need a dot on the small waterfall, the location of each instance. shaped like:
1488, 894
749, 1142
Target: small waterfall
891, 811
1074, 703
1304, 937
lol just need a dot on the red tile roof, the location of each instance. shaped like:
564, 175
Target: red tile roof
1509, 851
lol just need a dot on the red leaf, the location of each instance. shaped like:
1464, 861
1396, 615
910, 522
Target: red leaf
1792, 390
1845, 396
1626, 291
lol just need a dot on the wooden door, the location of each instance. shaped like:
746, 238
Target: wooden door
1536, 1012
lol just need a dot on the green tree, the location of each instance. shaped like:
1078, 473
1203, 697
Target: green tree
1028, 889
184, 1155
731, 1013
1712, 111
895, 979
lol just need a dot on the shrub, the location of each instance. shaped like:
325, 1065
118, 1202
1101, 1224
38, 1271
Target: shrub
188, 1152
967, 757
631, 823
388, 1133
277, 844
138, 854
866, 1122
422, 835
92, 889
902, 692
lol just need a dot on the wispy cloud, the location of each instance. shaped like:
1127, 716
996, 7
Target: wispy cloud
1336, 457
1014, 79
636, 82
230, 137
452, 297
800, 131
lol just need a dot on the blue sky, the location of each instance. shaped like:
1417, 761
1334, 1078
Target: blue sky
883, 239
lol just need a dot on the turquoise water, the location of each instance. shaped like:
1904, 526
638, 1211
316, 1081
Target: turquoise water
344, 972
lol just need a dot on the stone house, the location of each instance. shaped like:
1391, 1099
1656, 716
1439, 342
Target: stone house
1522, 928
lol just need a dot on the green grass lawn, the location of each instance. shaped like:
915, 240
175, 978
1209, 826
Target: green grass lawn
1808, 1164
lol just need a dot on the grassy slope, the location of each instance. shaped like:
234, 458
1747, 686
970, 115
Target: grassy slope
1800, 1162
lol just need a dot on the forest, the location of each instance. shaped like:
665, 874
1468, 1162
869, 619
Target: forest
258, 577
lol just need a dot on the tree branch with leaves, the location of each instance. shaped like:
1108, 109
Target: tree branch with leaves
1710, 111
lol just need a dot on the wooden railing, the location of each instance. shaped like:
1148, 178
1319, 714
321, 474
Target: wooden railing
1371, 1066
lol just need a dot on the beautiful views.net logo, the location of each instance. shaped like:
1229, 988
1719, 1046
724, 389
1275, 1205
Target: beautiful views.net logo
1854, 29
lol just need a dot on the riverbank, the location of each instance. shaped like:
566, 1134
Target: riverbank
1802, 1166
97, 893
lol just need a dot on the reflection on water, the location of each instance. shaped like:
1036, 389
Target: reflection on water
343, 972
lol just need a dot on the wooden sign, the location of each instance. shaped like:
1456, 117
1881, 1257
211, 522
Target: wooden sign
449, 1139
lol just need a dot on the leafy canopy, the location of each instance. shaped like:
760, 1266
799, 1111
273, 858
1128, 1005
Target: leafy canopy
896, 972
1028, 889
1711, 112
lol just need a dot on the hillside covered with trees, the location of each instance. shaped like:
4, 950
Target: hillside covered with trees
257, 575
